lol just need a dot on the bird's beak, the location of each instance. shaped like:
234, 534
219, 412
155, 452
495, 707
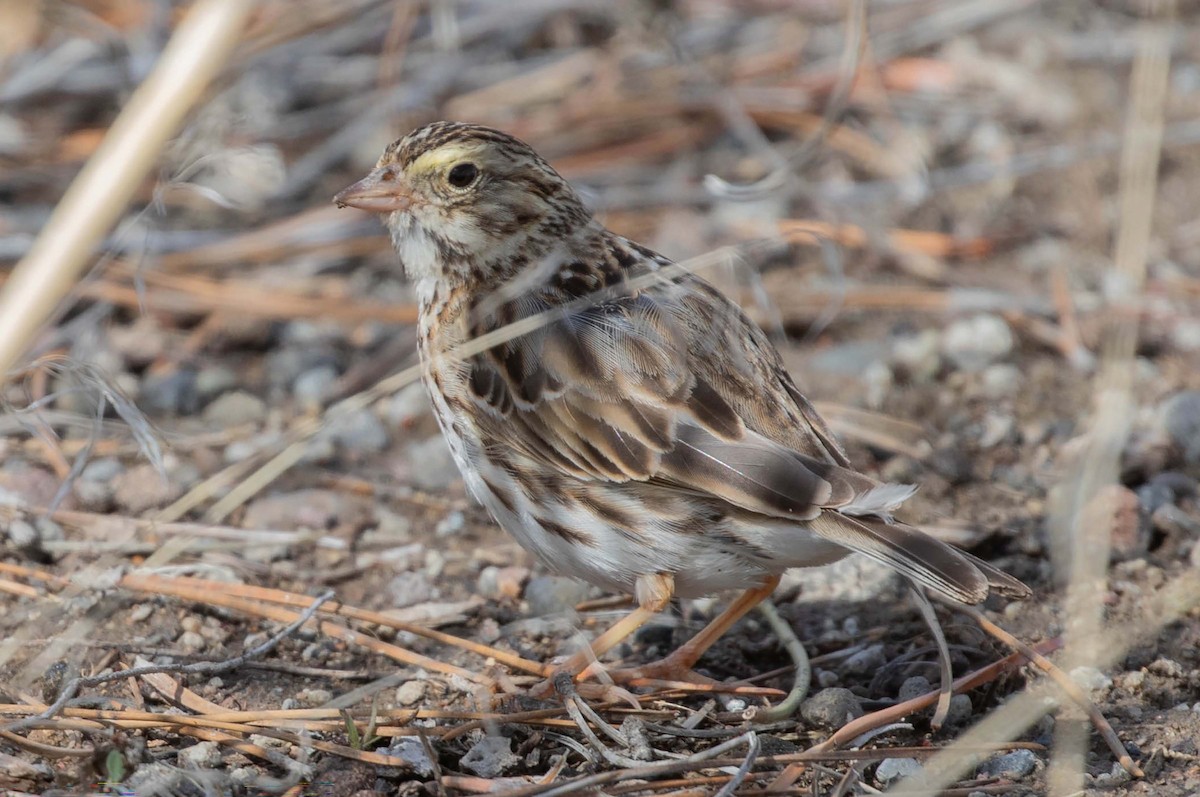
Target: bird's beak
381, 191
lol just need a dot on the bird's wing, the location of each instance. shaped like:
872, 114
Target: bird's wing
670, 383
667, 381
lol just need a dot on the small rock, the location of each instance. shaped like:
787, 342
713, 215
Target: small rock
359, 432
553, 594
490, 757
1001, 380
827, 678
437, 470
413, 751
235, 409
172, 393
451, 524
891, 770
410, 692
406, 407
1151, 496
213, 380
502, 582
409, 589
866, 661
914, 687
22, 534
1133, 680
997, 428
201, 755
1010, 766
103, 470
877, 382
142, 487
960, 711
1181, 420
972, 344
1167, 668
141, 613
831, 708
315, 386
918, 355
312, 698
192, 642
1090, 678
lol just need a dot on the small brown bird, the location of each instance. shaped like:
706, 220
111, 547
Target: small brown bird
639, 431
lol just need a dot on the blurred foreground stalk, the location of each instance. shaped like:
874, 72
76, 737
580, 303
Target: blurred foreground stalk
98, 196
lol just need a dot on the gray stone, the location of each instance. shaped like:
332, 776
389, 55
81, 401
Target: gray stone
1090, 678
410, 692
972, 344
409, 589
104, 469
553, 594
413, 751
891, 770
960, 711
918, 355
213, 380
1001, 380
914, 687
831, 708
358, 432
316, 385
234, 409
172, 393
142, 487
1181, 421
202, 755
490, 757
1010, 766
866, 661
435, 469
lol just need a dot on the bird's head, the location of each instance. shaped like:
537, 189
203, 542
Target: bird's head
461, 199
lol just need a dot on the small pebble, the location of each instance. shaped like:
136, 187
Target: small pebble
191, 623
142, 487
1010, 766
490, 757
1181, 421
915, 686
410, 692
827, 678
235, 408
1090, 678
831, 708
141, 613
312, 698
409, 589
1167, 668
359, 432
866, 661
1001, 380
413, 751
553, 594
202, 755
191, 642
891, 770
315, 386
972, 344
960, 711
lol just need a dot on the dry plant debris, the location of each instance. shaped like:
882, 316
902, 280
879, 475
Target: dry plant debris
953, 221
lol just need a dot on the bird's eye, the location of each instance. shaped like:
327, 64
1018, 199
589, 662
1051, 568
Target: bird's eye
463, 175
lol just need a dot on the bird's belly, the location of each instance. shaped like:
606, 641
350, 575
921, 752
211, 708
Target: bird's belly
609, 534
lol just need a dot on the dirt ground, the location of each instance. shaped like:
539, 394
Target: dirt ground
945, 280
